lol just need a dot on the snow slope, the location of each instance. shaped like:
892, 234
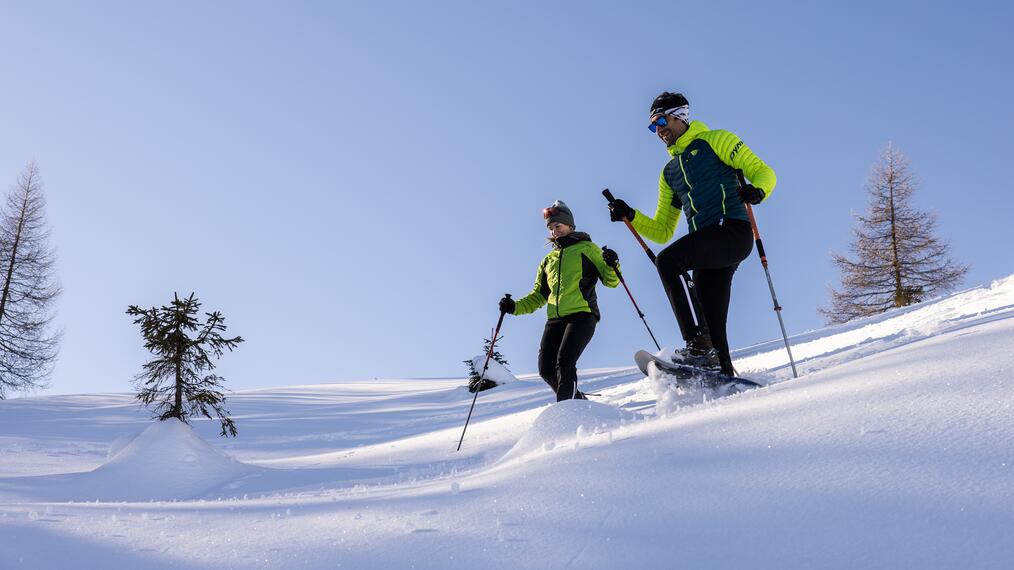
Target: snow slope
894, 449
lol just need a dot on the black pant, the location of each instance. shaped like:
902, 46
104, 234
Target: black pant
563, 341
701, 304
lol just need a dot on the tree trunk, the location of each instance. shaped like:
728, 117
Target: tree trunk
14, 248
899, 291
178, 404
178, 363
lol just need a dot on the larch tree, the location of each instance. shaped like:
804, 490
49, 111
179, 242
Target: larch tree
896, 258
28, 288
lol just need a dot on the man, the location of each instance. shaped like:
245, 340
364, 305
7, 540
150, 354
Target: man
700, 179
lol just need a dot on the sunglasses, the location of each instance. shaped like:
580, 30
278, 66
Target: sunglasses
550, 211
659, 122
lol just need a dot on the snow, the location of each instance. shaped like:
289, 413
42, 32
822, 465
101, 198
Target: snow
567, 423
894, 449
165, 461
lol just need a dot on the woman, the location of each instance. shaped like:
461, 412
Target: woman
566, 282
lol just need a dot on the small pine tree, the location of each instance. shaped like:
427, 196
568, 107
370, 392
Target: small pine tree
473, 374
898, 260
183, 348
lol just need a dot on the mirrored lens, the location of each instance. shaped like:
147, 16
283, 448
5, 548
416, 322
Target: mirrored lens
659, 122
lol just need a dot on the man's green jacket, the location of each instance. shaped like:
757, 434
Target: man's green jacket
701, 181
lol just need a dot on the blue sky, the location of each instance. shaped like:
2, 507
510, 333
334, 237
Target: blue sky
355, 185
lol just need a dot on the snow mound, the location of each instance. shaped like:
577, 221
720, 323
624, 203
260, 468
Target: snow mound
119, 443
567, 421
495, 372
165, 461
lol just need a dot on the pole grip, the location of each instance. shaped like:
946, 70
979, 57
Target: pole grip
496, 331
647, 250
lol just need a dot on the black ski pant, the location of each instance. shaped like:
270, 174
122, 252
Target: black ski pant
701, 303
563, 341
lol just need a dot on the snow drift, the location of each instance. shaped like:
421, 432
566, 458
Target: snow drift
166, 461
566, 422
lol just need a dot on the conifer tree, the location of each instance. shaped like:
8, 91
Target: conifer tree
28, 288
175, 380
896, 258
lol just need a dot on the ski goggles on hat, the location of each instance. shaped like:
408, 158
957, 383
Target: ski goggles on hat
550, 211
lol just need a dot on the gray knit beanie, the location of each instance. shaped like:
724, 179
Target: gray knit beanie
559, 212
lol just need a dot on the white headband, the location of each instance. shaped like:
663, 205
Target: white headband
682, 113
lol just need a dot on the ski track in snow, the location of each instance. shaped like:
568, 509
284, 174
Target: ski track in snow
895, 448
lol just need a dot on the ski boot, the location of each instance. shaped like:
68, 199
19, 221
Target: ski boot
699, 353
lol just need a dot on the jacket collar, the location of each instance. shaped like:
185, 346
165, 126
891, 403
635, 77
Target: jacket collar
693, 131
570, 239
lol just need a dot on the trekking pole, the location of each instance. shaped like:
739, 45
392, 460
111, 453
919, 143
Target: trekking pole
647, 250
771, 285
639, 313
492, 343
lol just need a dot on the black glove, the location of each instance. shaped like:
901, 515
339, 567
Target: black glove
750, 194
610, 257
507, 305
618, 210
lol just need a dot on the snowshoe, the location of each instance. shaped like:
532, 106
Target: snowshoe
687, 374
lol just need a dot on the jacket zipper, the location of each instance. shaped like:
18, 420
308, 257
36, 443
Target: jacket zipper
559, 282
689, 191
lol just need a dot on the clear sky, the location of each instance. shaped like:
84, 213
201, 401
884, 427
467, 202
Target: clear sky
355, 184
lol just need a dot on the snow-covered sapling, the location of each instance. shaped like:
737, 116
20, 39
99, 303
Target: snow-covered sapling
175, 380
474, 372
